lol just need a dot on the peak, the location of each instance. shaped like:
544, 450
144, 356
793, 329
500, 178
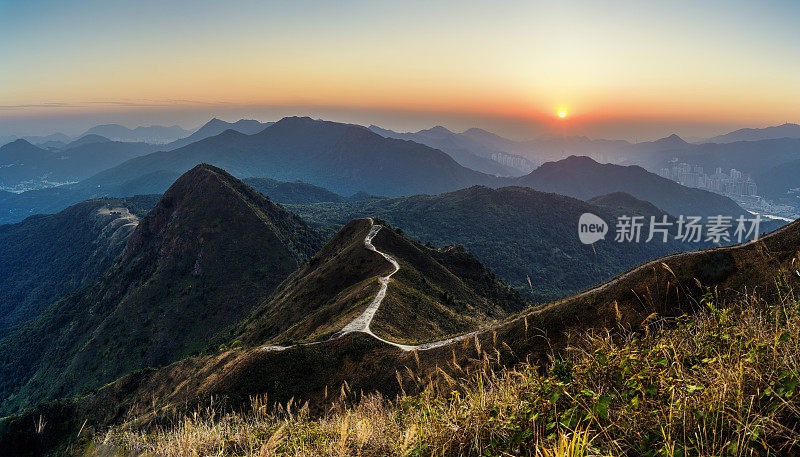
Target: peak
22, 142
305, 125
477, 131
201, 198
293, 122
674, 139
230, 132
437, 130
214, 122
203, 169
204, 179
296, 120
573, 159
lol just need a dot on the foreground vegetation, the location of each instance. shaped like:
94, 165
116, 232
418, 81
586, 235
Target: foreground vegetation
725, 381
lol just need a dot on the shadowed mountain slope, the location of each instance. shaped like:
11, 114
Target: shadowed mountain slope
518, 232
210, 250
664, 288
46, 256
342, 158
215, 127
435, 293
458, 146
583, 178
296, 192
24, 163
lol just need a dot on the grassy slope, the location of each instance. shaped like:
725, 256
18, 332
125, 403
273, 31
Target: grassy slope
517, 232
664, 289
723, 382
203, 258
425, 301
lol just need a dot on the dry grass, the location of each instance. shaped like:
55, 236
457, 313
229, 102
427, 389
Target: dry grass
725, 381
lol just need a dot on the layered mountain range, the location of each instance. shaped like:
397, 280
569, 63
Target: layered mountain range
348, 159
428, 311
394, 271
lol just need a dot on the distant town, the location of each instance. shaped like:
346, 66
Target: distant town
735, 184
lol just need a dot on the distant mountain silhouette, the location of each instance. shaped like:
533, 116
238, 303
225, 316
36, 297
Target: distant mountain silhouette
583, 178
216, 126
787, 130
345, 159
87, 139
19, 153
22, 162
156, 134
38, 140
458, 146
342, 158
672, 140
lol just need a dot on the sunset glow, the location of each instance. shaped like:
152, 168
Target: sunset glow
623, 62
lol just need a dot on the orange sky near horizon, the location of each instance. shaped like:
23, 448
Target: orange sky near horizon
620, 62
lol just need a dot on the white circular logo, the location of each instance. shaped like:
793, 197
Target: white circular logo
591, 228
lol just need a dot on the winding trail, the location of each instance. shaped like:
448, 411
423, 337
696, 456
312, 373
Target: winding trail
363, 321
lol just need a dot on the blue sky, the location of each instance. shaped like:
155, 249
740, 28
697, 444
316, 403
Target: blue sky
621, 68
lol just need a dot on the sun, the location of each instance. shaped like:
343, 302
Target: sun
562, 114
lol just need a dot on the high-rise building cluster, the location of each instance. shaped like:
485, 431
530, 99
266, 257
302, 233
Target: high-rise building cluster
735, 183
514, 161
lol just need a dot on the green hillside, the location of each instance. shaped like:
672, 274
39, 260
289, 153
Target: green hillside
47, 256
518, 232
210, 250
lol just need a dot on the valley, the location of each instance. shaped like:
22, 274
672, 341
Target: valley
297, 276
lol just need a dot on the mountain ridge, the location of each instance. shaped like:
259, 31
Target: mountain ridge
666, 288
584, 178
210, 250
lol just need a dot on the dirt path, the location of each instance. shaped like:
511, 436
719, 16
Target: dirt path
363, 321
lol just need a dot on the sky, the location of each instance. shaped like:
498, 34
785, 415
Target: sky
635, 70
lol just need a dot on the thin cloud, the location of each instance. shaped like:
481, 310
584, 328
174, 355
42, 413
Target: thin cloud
140, 103
43, 105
